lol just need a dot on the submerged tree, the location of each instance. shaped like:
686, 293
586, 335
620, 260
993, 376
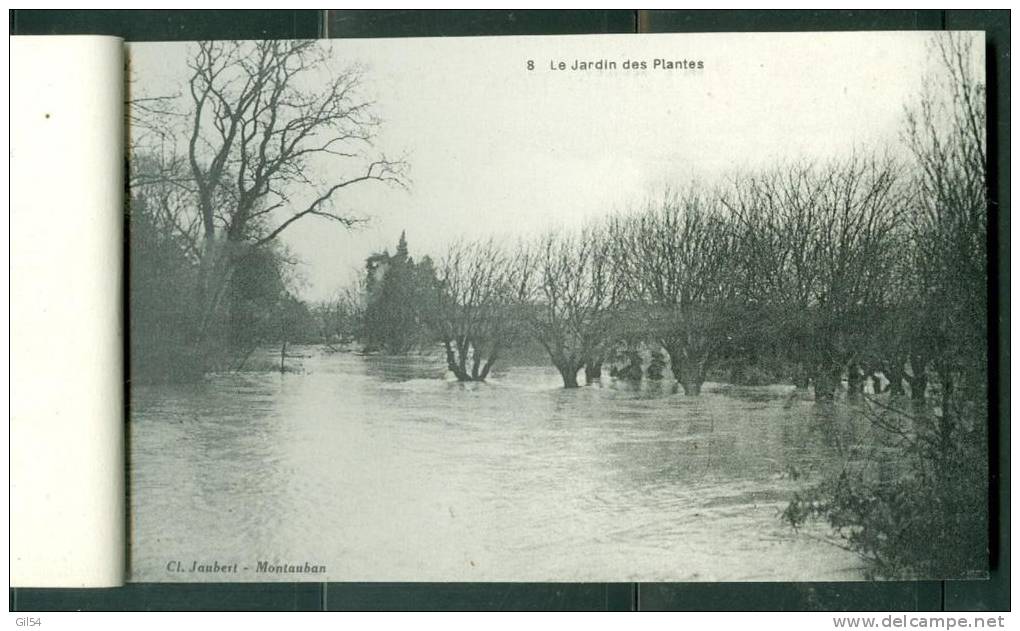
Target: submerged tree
480, 291
818, 245
928, 515
576, 294
949, 219
681, 268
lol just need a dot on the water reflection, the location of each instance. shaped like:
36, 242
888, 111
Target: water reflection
383, 470
398, 369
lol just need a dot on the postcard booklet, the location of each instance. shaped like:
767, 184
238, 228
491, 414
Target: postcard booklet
699, 307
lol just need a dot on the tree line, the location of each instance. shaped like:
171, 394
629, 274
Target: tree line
834, 271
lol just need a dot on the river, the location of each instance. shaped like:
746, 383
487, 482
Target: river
380, 469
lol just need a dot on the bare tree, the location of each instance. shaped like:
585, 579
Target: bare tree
681, 250
258, 121
480, 292
576, 294
819, 245
776, 219
931, 517
341, 317
948, 259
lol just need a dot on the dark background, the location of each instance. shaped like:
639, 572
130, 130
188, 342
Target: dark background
993, 594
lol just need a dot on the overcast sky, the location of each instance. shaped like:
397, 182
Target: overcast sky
497, 149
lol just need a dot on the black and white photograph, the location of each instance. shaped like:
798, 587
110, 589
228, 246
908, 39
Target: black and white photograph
600, 308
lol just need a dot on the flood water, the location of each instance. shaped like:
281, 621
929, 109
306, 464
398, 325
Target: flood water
382, 470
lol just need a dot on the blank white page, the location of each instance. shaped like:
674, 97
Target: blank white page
67, 402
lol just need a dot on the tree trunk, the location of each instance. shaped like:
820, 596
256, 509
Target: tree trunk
462, 351
947, 421
826, 382
569, 374
694, 379
451, 358
876, 384
283, 355
689, 377
592, 371
894, 373
854, 381
205, 274
801, 379
919, 380
676, 362
488, 365
476, 364
654, 372
918, 387
692, 388
455, 366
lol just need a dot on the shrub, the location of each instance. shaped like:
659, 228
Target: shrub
921, 513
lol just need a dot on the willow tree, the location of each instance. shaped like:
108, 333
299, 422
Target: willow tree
576, 294
819, 244
481, 288
681, 250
